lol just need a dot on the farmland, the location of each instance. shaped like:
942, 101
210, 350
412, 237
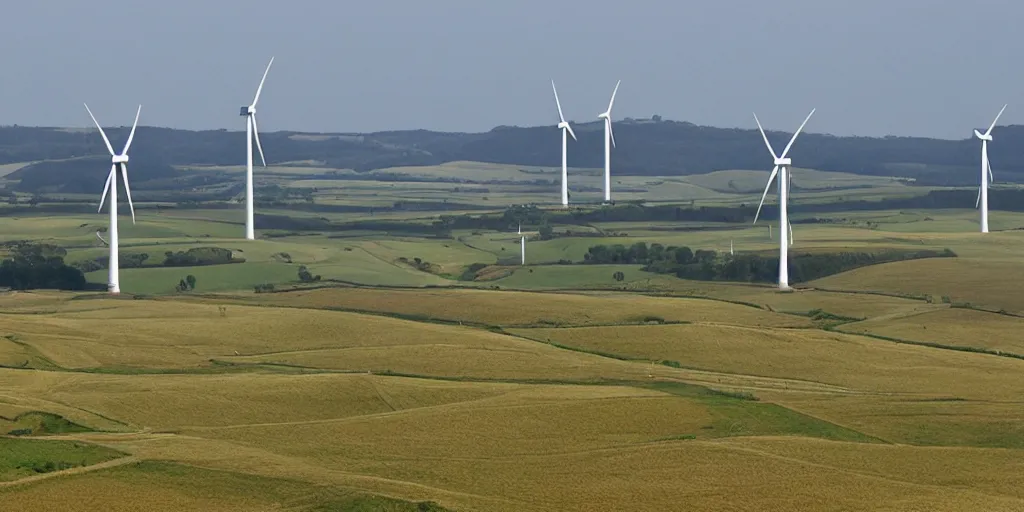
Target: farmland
416, 365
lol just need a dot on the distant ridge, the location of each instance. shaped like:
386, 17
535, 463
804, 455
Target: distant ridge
645, 147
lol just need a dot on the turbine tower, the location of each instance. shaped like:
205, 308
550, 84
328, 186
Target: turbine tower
564, 126
522, 249
249, 113
117, 161
781, 169
609, 141
986, 172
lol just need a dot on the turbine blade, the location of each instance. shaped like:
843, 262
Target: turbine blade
790, 232
994, 121
561, 117
106, 188
131, 135
977, 202
797, 132
98, 235
611, 134
612, 102
105, 139
765, 137
568, 127
128, 190
260, 88
991, 178
775, 172
256, 134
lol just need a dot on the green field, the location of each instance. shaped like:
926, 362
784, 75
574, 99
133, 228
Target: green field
426, 369
21, 458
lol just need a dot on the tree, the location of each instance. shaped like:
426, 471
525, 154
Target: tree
618, 276
684, 256
191, 280
546, 232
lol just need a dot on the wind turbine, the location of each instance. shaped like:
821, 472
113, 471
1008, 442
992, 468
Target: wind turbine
609, 141
986, 171
117, 161
564, 126
249, 113
782, 164
522, 249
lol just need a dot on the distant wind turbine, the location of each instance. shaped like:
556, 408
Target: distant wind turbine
609, 141
986, 171
564, 126
782, 164
117, 161
249, 113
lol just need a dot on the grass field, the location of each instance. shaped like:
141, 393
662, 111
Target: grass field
401, 382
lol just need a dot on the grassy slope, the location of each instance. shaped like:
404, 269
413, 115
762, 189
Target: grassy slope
20, 458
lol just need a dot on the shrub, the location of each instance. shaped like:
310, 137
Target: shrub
306, 276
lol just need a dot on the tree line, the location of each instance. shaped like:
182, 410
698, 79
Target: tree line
709, 265
31, 266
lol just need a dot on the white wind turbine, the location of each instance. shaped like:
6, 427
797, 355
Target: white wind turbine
117, 160
986, 171
249, 113
522, 244
564, 126
609, 141
782, 164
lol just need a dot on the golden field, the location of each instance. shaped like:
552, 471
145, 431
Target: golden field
951, 326
514, 308
539, 402
854, 363
991, 283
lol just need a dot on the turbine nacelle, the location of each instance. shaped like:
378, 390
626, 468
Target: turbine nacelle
563, 125
604, 115
983, 136
783, 162
119, 159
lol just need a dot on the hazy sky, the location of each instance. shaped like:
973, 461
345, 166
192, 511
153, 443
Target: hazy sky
871, 67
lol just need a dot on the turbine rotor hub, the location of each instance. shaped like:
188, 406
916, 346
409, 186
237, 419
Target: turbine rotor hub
119, 159
783, 162
563, 125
